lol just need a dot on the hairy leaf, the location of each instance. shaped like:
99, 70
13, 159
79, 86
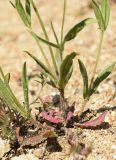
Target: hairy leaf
85, 78
65, 70
77, 28
98, 15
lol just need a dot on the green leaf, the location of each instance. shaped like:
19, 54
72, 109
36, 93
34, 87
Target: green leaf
22, 13
12, 4
105, 9
102, 76
11, 100
28, 9
66, 70
98, 15
77, 28
85, 78
55, 35
36, 37
44, 68
25, 86
7, 77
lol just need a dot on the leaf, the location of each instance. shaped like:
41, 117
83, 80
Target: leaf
55, 35
77, 28
69, 116
105, 9
65, 70
51, 116
98, 15
102, 76
12, 4
25, 86
36, 37
95, 122
41, 64
7, 77
10, 99
28, 8
85, 78
36, 139
21, 12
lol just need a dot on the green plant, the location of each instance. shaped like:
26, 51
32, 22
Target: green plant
102, 14
59, 73
9, 97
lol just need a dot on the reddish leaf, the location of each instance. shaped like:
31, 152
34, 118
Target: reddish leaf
36, 139
51, 116
69, 116
95, 122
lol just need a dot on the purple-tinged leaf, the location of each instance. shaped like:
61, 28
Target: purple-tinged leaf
69, 116
95, 122
51, 117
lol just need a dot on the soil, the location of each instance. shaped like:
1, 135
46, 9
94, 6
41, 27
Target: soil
14, 39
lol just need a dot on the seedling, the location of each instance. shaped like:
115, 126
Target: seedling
59, 73
102, 14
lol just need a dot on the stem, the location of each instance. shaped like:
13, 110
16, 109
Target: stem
43, 53
45, 33
62, 28
97, 58
63, 104
63, 20
83, 106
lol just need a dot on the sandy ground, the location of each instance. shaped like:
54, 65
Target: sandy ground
14, 39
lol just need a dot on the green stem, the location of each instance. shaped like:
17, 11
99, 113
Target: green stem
97, 58
43, 53
45, 33
62, 28
63, 20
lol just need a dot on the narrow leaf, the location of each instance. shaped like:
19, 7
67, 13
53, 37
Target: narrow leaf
55, 35
77, 28
10, 99
25, 86
85, 78
44, 68
22, 13
7, 77
65, 70
12, 4
105, 9
43, 40
28, 8
98, 15
102, 76
95, 122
